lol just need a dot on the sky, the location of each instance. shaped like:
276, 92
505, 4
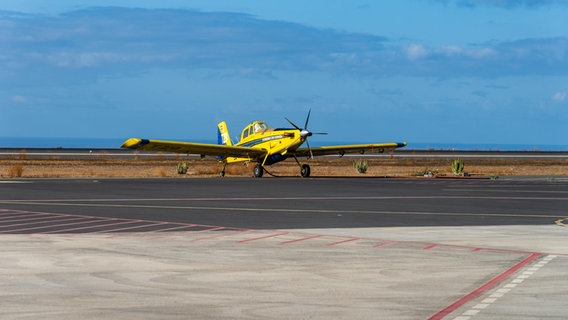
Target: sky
421, 71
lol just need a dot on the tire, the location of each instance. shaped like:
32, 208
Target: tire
258, 171
305, 172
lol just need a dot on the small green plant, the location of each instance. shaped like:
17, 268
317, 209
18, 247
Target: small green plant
457, 167
361, 165
182, 168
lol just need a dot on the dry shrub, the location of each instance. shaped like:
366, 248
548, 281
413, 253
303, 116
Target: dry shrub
15, 171
205, 168
238, 169
161, 172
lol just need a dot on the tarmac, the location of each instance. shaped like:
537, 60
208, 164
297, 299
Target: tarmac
284, 249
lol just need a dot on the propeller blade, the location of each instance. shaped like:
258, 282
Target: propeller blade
309, 149
292, 123
319, 132
308, 119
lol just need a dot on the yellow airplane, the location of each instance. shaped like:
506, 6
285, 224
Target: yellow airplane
261, 144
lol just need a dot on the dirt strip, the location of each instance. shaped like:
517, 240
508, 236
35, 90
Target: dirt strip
326, 166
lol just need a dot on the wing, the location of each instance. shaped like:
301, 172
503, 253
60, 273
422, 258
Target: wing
350, 148
192, 148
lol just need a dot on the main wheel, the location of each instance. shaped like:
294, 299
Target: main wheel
258, 171
305, 172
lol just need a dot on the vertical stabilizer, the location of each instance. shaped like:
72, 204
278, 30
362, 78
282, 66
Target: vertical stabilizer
223, 134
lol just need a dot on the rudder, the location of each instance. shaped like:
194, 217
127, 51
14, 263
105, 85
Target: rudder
223, 134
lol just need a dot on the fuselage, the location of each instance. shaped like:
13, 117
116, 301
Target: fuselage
276, 141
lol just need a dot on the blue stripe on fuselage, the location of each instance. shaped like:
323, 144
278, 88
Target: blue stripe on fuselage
258, 141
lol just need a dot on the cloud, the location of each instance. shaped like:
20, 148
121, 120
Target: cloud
559, 96
88, 44
415, 51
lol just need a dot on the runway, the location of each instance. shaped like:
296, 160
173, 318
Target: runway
285, 248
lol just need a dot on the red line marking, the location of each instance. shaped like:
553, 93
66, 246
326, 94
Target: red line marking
302, 239
16, 215
133, 227
12, 213
342, 242
264, 237
30, 219
153, 231
432, 246
490, 284
192, 232
222, 235
385, 244
43, 227
89, 227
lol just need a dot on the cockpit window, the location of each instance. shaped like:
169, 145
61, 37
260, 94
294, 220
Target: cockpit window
260, 126
255, 127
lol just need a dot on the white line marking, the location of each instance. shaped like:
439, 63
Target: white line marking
13, 181
497, 295
471, 312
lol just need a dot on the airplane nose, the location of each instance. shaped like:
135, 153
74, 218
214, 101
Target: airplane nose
305, 133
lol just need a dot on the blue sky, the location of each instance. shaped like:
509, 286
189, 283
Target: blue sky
448, 71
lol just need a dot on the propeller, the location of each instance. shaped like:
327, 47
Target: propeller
305, 133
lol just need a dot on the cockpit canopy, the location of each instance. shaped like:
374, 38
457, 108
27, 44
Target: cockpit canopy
255, 127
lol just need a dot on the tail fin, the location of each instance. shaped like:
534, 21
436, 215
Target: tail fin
223, 134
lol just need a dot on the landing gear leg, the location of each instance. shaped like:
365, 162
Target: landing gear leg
304, 168
258, 170
222, 173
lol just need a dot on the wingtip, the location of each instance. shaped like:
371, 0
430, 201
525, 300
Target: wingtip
134, 143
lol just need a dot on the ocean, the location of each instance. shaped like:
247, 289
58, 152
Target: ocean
110, 143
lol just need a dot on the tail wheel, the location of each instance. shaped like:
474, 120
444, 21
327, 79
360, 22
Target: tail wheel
305, 172
258, 171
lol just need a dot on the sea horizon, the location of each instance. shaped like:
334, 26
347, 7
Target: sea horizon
114, 143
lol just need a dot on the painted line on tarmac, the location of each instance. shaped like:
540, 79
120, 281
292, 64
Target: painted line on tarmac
303, 239
342, 242
484, 288
166, 229
467, 315
173, 234
264, 237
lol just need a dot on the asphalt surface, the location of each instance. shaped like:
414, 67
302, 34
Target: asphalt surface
286, 203
284, 248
